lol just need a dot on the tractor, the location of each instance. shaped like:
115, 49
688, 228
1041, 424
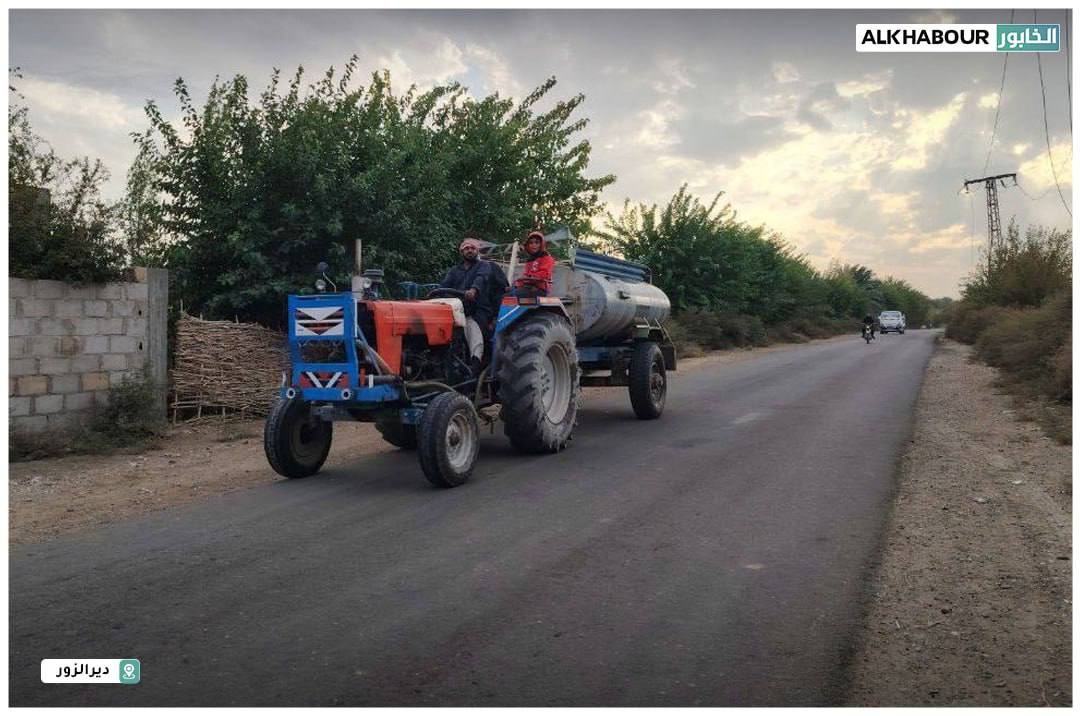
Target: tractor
404, 364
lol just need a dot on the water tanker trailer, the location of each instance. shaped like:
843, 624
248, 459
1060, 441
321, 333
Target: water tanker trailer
404, 364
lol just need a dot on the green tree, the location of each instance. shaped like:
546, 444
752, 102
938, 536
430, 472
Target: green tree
140, 212
846, 298
703, 257
900, 296
59, 227
1022, 271
258, 192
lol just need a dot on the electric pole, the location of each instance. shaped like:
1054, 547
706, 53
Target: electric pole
993, 215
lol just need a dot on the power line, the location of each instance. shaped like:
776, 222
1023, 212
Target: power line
1033, 198
1001, 96
1046, 128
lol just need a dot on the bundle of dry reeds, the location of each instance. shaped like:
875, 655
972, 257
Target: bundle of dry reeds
222, 368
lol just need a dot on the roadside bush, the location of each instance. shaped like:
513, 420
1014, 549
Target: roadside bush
785, 333
715, 331
130, 418
128, 421
685, 346
966, 321
1026, 270
1027, 343
695, 332
820, 327
1061, 364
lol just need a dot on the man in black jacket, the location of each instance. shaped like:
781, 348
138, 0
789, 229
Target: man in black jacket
478, 279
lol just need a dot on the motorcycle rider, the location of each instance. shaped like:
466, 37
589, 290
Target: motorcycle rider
476, 278
869, 323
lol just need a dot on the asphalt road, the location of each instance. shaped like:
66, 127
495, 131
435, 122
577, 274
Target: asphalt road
714, 557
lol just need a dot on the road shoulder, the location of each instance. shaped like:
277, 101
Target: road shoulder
972, 599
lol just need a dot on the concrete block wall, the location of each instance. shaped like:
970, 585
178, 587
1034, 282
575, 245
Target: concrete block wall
68, 345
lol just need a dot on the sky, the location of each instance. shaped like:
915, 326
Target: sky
849, 156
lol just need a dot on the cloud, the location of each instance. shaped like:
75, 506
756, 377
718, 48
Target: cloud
1019, 149
498, 74
674, 77
891, 203
424, 69
926, 130
655, 125
988, 101
1036, 174
784, 72
868, 84
822, 102
100, 109
952, 238
935, 17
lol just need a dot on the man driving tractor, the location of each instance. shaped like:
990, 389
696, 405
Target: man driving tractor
483, 285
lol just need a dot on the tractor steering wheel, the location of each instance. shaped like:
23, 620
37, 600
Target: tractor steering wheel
445, 293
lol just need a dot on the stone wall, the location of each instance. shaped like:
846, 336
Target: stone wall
67, 345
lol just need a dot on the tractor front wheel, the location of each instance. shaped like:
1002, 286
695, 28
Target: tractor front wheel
448, 440
296, 442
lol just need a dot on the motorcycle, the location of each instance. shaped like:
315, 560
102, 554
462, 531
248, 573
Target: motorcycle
868, 334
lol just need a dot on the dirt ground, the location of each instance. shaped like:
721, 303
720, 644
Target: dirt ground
972, 603
55, 496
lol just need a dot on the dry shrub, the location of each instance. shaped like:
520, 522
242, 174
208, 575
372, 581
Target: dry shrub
716, 331
1061, 362
966, 322
129, 421
1032, 346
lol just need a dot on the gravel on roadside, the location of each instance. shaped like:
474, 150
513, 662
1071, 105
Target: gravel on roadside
972, 603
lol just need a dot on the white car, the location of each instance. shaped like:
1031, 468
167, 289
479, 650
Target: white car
892, 321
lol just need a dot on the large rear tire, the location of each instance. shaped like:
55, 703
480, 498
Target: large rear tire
448, 440
539, 383
295, 441
648, 381
397, 434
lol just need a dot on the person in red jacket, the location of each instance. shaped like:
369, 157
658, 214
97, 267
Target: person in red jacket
536, 281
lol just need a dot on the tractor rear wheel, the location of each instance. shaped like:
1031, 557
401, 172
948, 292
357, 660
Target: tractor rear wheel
448, 440
539, 384
296, 442
397, 433
648, 381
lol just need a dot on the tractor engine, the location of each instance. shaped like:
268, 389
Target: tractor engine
418, 340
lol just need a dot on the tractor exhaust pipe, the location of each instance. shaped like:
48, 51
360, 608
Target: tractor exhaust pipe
356, 286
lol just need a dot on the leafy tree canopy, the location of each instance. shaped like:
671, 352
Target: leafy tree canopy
252, 194
58, 225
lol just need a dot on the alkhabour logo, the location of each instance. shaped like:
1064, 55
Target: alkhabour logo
926, 38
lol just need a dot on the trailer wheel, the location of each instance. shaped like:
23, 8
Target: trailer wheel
448, 440
397, 434
539, 383
296, 442
648, 381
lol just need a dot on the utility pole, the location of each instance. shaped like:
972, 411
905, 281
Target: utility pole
993, 214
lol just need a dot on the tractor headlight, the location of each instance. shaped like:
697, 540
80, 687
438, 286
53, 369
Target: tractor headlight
320, 285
